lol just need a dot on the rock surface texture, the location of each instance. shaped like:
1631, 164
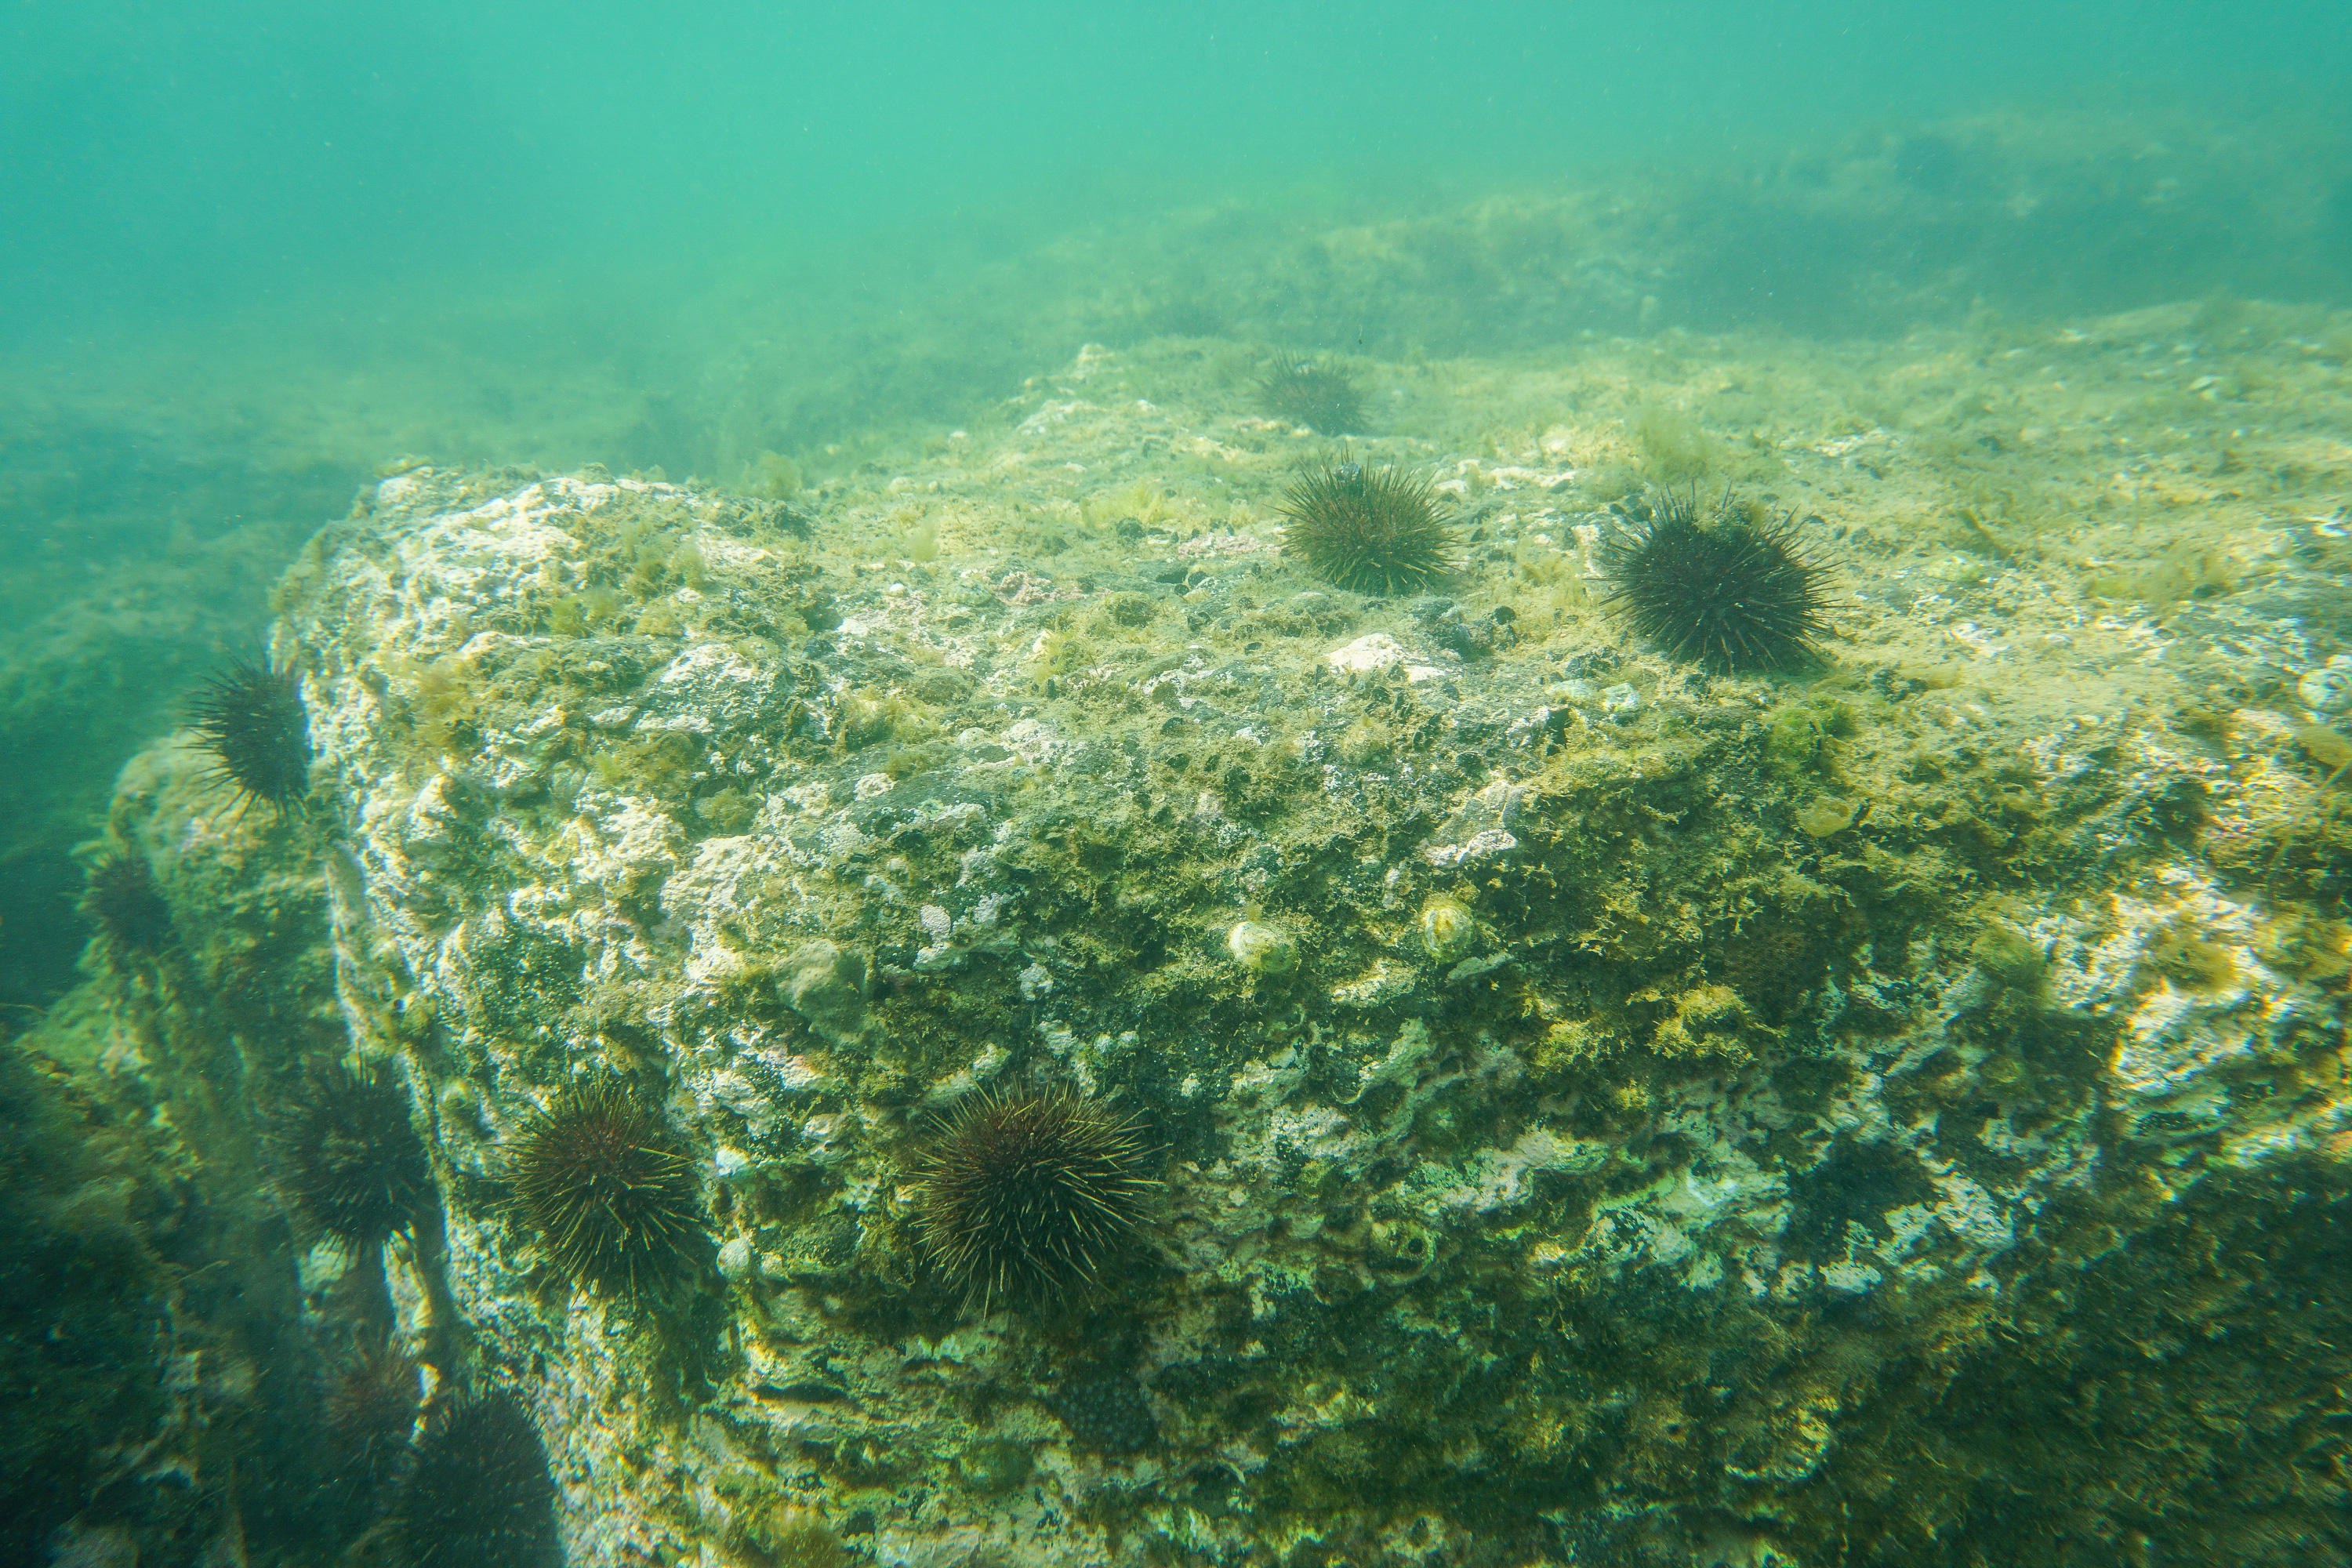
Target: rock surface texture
1603, 1112
1544, 1102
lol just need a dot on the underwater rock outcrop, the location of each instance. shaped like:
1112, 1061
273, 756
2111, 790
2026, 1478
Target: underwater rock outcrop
174, 1293
1539, 1099
1649, 1147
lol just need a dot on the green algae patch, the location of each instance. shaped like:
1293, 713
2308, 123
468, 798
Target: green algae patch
1803, 736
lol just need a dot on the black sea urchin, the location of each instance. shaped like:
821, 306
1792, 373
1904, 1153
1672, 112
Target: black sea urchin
371, 1412
123, 901
479, 1495
1728, 590
352, 1159
1320, 396
604, 1186
1372, 531
250, 718
1025, 1195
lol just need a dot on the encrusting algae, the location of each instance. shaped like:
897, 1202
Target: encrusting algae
1393, 1022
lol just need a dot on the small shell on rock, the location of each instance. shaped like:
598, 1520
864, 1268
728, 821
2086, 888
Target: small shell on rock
1828, 816
1401, 1250
1262, 949
1366, 654
1447, 929
2328, 689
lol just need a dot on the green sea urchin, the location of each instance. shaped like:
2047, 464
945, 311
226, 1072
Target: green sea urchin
604, 1186
250, 718
1370, 529
478, 1495
125, 905
1728, 590
1323, 397
353, 1162
1024, 1195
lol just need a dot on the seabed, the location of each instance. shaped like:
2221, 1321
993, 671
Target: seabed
1608, 1110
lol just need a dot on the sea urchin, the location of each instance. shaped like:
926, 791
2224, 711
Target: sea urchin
478, 1494
604, 1186
1731, 590
1320, 396
123, 901
1023, 1194
371, 1411
250, 718
352, 1162
1372, 531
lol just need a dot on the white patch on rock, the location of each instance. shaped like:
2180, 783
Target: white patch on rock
1366, 654
708, 689
1504, 1178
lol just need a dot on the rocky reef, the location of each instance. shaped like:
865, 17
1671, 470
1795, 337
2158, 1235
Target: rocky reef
1597, 1110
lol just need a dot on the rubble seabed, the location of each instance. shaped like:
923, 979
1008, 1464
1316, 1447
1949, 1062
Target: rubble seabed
1606, 1111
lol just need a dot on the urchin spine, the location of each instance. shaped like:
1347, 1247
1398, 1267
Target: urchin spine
478, 1494
600, 1180
353, 1163
1368, 529
1724, 591
1026, 1193
251, 718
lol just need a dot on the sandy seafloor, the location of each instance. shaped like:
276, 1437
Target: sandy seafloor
1657, 1255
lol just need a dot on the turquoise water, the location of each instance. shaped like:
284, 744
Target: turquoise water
274, 238
159, 161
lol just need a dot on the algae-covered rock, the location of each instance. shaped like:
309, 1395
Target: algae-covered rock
1558, 1119
174, 1307
1583, 1108
1571, 1103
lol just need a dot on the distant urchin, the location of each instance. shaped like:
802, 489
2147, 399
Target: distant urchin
250, 718
1027, 1194
1323, 397
606, 1187
371, 1411
477, 1494
353, 1162
1726, 588
123, 901
1369, 529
